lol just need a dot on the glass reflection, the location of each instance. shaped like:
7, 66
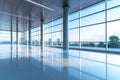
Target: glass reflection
54, 63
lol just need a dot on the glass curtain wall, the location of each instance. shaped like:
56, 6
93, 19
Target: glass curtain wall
95, 27
36, 36
113, 20
53, 33
99, 26
5, 37
92, 26
74, 29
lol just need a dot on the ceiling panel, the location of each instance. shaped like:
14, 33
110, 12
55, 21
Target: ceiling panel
2, 3
22, 8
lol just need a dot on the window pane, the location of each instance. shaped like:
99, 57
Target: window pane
58, 21
56, 37
112, 3
48, 39
113, 14
74, 37
93, 9
48, 30
92, 36
5, 37
56, 28
73, 24
114, 34
48, 25
96, 18
73, 16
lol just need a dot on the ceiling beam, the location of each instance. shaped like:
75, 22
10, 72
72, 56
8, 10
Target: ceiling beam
41, 5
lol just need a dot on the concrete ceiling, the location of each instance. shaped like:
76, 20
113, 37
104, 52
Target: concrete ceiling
22, 8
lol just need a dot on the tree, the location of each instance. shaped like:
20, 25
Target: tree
101, 44
114, 42
91, 44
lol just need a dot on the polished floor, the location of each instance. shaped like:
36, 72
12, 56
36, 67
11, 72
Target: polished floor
32, 63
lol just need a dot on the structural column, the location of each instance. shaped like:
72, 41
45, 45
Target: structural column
17, 31
11, 31
65, 24
17, 38
29, 26
42, 22
11, 28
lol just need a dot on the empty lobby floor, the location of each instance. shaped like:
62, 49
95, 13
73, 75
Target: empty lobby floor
24, 63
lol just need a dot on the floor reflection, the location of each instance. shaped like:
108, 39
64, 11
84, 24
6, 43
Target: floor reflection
34, 63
